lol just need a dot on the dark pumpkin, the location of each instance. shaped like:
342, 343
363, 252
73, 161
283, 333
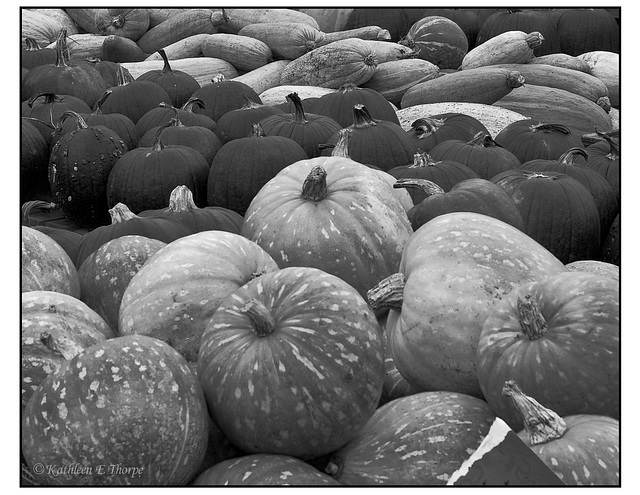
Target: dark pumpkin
223, 95
558, 212
68, 239
582, 30
244, 165
34, 162
79, 167
107, 69
143, 178
396, 21
236, 124
32, 54
604, 158
431, 130
611, 244
467, 19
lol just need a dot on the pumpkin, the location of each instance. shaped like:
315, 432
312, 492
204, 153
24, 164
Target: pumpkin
325, 374
79, 167
128, 23
68, 239
34, 162
133, 380
286, 40
119, 49
380, 143
477, 195
454, 269
430, 130
32, 54
604, 158
611, 245
396, 21
55, 327
178, 84
466, 19
105, 273
236, 124
420, 439
144, 177
45, 265
334, 214
444, 173
559, 339
263, 470
438, 40
558, 211
175, 293
605, 65
223, 95
164, 112
81, 81
595, 266
583, 30
581, 449
481, 154
307, 129
244, 165
124, 222
530, 139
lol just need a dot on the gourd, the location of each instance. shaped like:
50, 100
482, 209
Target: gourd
438, 40
510, 47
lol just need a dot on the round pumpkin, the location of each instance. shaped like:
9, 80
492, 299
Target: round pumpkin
559, 339
223, 95
76, 418
604, 158
454, 269
238, 123
428, 131
34, 162
128, 23
32, 54
324, 376
583, 30
334, 214
164, 112
69, 240
467, 19
439, 40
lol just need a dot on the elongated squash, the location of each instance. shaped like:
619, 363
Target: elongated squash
386, 51
180, 26
236, 19
287, 40
243, 52
392, 79
40, 27
364, 33
202, 69
574, 81
557, 106
83, 45
480, 85
278, 94
85, 19
510, 47
606, 67
188, 47
120, 49
265, 77
331, 66
562, 60
161, 14
60, 17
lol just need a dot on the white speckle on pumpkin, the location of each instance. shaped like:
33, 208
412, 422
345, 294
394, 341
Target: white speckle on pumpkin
94, 385
602, 463
99, 353
62, 410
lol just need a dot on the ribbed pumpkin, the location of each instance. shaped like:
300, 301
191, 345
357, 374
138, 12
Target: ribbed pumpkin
45, 265
143, 178
236, 124
558, 212
55, 327
107, 69
106, 273
582, 449
164, 112
438, 40
32, 54
134, 98
324, 376
334, 214
467, 19
476, 195
128, 23
183, 210
380, 143
178, 290
223, 95
339, 104
81, 81
604, 158
307, 129
244, 165
79, 168
445, 173
430, 130
481, 154
547, 334
454, 269
34, 162
530, 139
178, 84
414, 440
582, 30
123, 222
396, 21
76, 417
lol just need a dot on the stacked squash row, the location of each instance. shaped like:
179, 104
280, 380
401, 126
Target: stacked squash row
280, 273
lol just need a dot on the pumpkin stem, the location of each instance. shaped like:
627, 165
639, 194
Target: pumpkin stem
191, 102
80, 122
483, 139
36, 204
362, 117
615, 147
347, 87
181, 200
604, 103
541, 424
299, 116
123, 75
334, 467
314, 187
424, 185
31, 44
166, 68
422, 159
532, 321
567, 158
121, 213
218, 78
515, 79
48, 99
261, 318
426, 126
341, 148
534, 39
61, 345
387, 293
157, 144
249, 104
257, 131
62, 52
103, 98
550, 128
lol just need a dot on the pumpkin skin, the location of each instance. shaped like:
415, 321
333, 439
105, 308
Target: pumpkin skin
435, 440
568, 357
106, 273
222, 96
604, 158
128, 23
456, 268
164, 112
558, 212
356, 230
431, 130
236, 124
597, 267
32, 54
326, 370
587, 30
611, 245
438, 40
68, 239
263, 470
55, 327
34, 162
175, 293
139, 382
45, 265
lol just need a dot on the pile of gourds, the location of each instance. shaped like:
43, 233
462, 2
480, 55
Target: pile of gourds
318, 246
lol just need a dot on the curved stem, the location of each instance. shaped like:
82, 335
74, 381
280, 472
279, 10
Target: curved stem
191, 102
299, 116
61, 345
314, 187
426, 126
121, 213
550, 128
532, 321
569, 156
80, 122
166, 69
341, 148
261, 318
424, 185
388, 293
